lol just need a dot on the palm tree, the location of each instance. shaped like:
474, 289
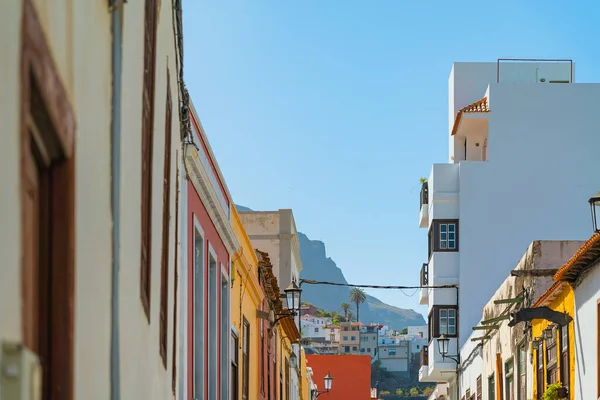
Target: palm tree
350, 316
345, 307
357, 296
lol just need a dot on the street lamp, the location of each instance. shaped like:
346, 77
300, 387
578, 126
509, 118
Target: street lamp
595, 206
292, 294
293, 361
443, 343
328, 382
547, 333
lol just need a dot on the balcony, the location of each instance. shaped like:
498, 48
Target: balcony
443, 187
424, 365
424, 295
443, 269
424, 206
438, 370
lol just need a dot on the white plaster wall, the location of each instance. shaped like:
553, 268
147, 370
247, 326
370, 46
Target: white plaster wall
443, 270
542, 170
471, 357
143, 375
587, 295
10, 227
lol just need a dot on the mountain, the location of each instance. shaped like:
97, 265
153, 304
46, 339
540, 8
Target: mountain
317, 266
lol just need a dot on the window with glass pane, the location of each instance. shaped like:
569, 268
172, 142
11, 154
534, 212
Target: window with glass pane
564, 355
522, 372
451, 236
479, 394
509, 380
443, 236
551, 359
443, 322
451, 322
491, 387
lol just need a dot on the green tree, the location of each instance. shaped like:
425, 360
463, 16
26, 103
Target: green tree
427, 391
350, 316
414, 391
358, 296
404, 331
345, 308
336, 319
399, 392
384, 393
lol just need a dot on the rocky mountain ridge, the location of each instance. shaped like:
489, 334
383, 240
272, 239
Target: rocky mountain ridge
318, 266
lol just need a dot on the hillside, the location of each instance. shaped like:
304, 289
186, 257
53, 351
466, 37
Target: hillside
317, 266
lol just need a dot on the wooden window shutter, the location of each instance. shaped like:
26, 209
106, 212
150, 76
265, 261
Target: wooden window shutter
147, 150
436, 322
164, 268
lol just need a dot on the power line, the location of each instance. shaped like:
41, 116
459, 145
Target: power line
314, 282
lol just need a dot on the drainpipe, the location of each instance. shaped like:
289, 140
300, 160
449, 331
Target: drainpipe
116, 10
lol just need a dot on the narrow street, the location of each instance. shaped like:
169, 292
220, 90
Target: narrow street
241, 224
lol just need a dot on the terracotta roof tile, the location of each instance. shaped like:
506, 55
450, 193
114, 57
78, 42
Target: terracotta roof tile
583, 258
480, 106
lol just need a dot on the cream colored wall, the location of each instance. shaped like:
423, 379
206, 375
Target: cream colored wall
10, 228
143, 375
79, 36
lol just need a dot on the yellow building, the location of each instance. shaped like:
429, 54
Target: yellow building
246, 298
553, 342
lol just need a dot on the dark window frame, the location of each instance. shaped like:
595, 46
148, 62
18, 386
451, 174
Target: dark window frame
492, 386
148, 92
509, 379
47, 137
540, 370
479, 387
166, 218
565, 375
246, 360
522, 372
434, 321
235, 371
434, 244
552, 370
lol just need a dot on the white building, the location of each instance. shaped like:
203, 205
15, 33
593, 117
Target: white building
509, 346
522, 156
316, 327
582, 272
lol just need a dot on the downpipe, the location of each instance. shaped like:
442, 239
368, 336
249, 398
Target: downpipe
116, 10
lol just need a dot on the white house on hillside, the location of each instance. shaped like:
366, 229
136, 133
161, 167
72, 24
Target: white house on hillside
522, 155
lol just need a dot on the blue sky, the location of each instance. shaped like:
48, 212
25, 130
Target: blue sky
336, 108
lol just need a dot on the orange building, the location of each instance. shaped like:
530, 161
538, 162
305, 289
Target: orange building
351, 375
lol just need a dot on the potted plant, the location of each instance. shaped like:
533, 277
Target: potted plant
556, 391
423, 181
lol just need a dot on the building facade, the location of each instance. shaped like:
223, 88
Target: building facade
88, 173
497, 357
211, 241
499, 114
351, 375
350, 337
368, 340
249, 334
582, 274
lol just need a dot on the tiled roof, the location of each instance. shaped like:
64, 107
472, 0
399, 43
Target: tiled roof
273, 295
480, 106
549, 294
583, 258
